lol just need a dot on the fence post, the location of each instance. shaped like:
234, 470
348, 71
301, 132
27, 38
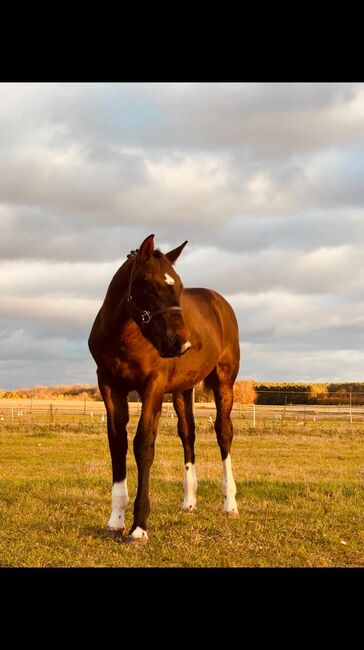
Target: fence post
84, 406
254, 415
285, 405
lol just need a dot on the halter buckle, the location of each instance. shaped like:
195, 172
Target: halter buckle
146, 317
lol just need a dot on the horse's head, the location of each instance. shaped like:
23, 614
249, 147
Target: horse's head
154, 295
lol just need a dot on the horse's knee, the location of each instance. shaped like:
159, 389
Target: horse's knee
143, 440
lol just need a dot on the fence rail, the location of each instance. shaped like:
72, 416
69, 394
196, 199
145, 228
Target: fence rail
56, 410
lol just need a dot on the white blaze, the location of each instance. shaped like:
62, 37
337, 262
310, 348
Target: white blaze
168, 278
119, 501
190, 487
229, 487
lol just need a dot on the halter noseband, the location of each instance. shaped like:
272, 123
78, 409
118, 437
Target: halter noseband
145, 315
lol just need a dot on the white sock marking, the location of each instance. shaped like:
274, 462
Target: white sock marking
138, 533
229, 487
168, 278
119, 501
190, 487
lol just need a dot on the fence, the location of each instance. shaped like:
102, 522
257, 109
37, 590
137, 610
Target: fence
252, 415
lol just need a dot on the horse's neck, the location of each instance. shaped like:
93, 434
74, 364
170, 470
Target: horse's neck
113, 308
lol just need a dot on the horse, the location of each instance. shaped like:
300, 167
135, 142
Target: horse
154, 336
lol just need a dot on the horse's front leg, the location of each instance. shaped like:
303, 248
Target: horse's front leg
116, 404
144, 441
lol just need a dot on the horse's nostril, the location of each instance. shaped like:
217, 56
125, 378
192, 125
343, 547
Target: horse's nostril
173, 342
178, 345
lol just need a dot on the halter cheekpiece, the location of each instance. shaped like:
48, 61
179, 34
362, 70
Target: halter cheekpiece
145, 314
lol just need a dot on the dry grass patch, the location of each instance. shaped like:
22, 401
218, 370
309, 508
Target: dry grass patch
300, 498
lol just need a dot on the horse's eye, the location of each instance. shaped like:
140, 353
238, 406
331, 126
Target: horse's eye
148, 286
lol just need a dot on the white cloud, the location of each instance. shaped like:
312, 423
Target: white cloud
63, 280
76, 310
279, 364
264, 180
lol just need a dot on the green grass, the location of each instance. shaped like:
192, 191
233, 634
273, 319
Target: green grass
300, 496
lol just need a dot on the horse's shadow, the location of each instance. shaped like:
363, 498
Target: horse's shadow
96, 532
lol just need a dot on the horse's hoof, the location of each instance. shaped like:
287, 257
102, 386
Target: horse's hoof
137, 536
188, 510
136, 541
232, 513
114, 533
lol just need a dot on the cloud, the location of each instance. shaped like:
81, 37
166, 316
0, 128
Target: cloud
264, 180
26, 361
280, 364
322, 270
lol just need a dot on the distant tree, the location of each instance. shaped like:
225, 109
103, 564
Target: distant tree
245, 391
317, 393
12, 394
202, 393
95, 394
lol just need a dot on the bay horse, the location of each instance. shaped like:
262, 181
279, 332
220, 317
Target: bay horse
154, 336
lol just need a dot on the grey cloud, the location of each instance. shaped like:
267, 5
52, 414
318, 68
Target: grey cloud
26, 360
265, 360
321, 271
38, 235
259, 117
84, 162
29, 233
63, 370
264, 180
71, 186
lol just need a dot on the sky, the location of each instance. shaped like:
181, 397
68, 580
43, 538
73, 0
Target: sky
264, 180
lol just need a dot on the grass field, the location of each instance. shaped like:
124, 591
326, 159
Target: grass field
300, 495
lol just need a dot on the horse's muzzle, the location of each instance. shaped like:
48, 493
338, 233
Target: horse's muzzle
186, 346
177, 346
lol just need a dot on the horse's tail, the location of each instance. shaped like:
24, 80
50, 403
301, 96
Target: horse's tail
208, 382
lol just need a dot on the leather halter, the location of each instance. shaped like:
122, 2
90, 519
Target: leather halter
145, 314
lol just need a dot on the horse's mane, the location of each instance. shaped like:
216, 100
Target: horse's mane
156, 253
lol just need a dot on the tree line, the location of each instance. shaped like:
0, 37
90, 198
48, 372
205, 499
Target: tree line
309, 393
246, 391
73, 391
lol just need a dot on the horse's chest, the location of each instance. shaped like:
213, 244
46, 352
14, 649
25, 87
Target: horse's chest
130, 370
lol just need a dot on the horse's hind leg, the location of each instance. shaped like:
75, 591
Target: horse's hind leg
183, 406
117, 419
221, 381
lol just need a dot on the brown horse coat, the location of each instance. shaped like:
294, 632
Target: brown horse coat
154, 336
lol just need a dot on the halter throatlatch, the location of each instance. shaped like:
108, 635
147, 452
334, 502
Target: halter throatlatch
145, 314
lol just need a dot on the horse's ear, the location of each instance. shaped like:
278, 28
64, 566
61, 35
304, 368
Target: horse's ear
146, 249
173, 255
